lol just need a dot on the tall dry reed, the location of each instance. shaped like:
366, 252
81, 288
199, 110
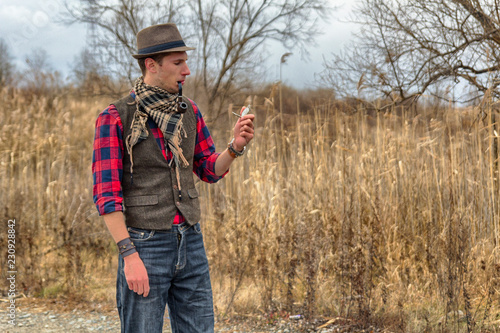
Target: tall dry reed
46, 185
387, 218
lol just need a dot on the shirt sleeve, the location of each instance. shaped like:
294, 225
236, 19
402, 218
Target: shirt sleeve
204, 151
107, 164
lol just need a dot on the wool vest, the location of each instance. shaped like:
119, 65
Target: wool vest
151, 199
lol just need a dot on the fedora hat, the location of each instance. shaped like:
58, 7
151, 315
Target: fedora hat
158, 39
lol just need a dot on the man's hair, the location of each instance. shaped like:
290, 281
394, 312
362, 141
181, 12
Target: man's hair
157, 57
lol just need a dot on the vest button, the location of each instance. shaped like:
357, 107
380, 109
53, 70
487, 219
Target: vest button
177, 203
175, 187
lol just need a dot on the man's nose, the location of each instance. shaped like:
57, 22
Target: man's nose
186, 71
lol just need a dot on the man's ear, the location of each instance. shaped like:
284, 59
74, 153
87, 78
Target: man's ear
150, 65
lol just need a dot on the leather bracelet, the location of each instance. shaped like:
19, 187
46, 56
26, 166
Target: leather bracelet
231, 153
128, 252
126, 247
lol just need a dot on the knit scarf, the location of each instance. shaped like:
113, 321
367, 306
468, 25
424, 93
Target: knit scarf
161, 106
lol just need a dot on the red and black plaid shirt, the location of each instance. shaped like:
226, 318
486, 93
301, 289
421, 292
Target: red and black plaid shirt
107, 158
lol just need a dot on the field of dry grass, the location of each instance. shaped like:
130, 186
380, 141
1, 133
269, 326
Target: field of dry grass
387, 218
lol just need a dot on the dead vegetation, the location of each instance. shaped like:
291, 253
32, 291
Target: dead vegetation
389, 219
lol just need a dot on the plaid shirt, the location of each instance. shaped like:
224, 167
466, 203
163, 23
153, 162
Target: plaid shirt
107, 158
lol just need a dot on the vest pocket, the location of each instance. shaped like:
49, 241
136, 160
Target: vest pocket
193, 193
142, 200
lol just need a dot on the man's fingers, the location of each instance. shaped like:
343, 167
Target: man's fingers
248, 136
246, 129
140, 289
146, 289
137, 277
247, 124
249, 116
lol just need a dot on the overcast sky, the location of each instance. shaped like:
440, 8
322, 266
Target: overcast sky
32, 24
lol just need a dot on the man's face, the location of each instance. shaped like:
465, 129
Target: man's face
173, 68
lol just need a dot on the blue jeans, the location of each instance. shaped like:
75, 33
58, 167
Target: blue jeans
177, 268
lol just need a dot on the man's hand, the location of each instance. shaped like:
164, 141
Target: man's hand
243, 131
243, 134
136, 274
135, 271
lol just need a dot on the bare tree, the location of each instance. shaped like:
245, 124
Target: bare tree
410, 47
90, 75
118, 22
229, 34
39, 78
6, 66
234, 32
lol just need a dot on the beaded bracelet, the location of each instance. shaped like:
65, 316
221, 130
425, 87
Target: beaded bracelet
126, 247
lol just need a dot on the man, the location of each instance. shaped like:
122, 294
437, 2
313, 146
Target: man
146, 147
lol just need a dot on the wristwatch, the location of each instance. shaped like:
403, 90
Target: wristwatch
233, 152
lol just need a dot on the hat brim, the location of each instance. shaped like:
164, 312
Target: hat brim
175, 49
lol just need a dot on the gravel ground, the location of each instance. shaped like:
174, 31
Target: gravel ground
48, 315
63, 316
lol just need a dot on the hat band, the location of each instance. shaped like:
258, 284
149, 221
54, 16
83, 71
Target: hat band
162, 47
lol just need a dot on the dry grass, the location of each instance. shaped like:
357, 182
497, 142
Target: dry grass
46, 185
390, 219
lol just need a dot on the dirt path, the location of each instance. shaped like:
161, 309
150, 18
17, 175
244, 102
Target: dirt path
68, 316
47, 315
